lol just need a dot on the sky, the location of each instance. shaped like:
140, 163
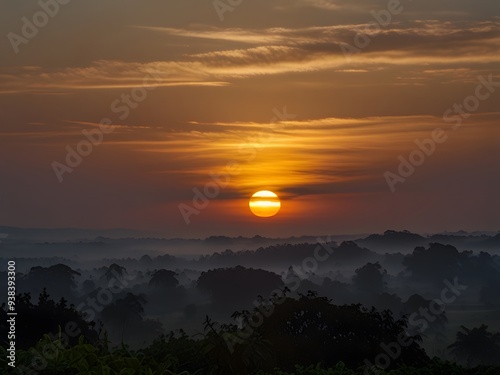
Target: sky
360, 115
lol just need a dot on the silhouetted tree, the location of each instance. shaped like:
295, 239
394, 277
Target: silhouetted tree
183, 352
337, 291
386, 301
239, 286
350, 252
370, 278
477, 346
490, 292
58, 280
164, 278
311, 330
124, 318
46, 317
129, 308
438, 263
252, 354
114, 271
146, 260
88, 286
419, 307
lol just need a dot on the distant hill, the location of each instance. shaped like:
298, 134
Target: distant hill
405, 242
492, 243
392, 241
68, 234
93, 244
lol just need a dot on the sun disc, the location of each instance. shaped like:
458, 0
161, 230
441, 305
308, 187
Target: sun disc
264, 203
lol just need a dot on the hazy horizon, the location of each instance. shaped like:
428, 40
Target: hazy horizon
168, 117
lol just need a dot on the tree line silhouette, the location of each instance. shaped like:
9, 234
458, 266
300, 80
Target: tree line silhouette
342, 314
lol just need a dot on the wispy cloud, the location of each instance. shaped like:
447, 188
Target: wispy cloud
441, 46
316, 155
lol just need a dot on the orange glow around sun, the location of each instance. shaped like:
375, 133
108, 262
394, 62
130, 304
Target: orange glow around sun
264, 203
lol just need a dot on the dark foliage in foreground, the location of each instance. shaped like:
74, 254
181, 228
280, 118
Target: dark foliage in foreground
85, 359
46, 317
282, 336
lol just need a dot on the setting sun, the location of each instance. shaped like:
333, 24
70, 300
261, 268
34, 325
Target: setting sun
264, 203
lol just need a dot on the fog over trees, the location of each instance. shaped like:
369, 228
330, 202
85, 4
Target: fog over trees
280, 304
